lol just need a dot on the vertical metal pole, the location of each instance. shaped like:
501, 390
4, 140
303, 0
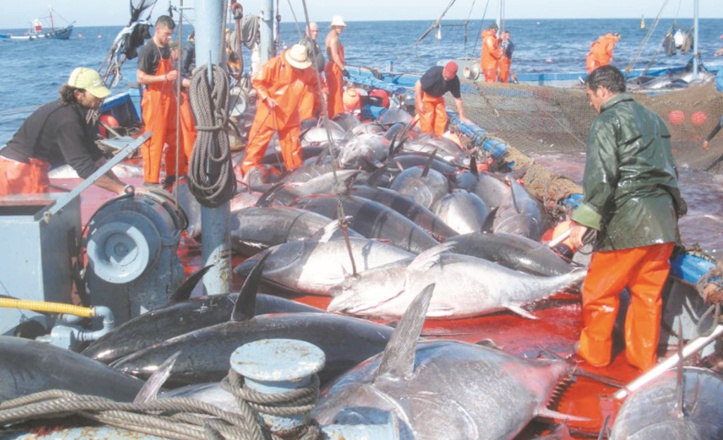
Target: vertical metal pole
695, 39
215, 222
266, 48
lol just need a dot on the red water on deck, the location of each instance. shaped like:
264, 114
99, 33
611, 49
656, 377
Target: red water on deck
556, 330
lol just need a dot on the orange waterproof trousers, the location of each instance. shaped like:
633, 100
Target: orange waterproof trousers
644, 271
188, 133
23, 178
309, 104
334, 83
504, 65
259, 138
434, 118
158, 109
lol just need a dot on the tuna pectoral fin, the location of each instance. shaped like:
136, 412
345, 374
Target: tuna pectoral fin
520, 311
550, 414
245, 307
398, 358
149, 391
430, 257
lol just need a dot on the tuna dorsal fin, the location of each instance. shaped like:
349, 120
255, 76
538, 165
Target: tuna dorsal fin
488, 225
183, 292
429, 163
376, 174
430, 257
511, 183
398, 357
245, 307
150, 389
473, 165
267, 197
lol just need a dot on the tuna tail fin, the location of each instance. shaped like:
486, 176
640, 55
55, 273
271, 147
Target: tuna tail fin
150, 389
245, 307
488, 225
473, 165
398, 357
183, 292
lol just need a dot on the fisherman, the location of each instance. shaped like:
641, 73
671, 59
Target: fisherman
631, 198
188, 122
156, 72
311, 103
335, 67
491, 53
280, 85
232, 61
429, 98
601, 51
507, 47
189, 56
55, 134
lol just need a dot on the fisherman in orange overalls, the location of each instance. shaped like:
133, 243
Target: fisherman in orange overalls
507, 47
335, 68
601, 51
188, 122
156, 72
491, 53
311, 102
279, 85
632, 199
429, 98
55, 134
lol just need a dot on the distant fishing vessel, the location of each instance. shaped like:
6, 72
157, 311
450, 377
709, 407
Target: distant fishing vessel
37, 31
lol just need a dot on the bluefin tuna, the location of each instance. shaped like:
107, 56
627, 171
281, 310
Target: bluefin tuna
463, 211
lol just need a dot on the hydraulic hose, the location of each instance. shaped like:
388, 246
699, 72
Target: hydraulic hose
47, 307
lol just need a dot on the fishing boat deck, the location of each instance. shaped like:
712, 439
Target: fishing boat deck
553, 334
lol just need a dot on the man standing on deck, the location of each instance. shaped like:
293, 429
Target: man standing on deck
311, 103
57, 133
335, 67
601, 51
158, 106
429, 98
507, 47
280, 85
633, 202
188, 122
491, 53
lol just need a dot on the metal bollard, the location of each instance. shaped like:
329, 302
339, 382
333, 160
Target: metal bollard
273, 366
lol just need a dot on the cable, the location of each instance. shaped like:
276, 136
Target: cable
210, 175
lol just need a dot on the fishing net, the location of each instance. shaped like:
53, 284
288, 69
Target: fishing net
545, 120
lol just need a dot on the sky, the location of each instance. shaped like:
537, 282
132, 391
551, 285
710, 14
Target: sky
17, 14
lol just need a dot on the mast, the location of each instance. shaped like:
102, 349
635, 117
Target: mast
50, 12
696, 54
501, 17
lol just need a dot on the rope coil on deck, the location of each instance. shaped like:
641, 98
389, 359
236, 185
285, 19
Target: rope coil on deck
176, 417
210, 175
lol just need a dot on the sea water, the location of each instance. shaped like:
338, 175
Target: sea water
31, 72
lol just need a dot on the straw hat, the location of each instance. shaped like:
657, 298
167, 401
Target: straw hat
337, 21
298, 57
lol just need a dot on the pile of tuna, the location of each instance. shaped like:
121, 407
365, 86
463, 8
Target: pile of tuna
423, 235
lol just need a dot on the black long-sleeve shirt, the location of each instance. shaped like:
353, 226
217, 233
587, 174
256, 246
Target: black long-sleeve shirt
434, 84
57, 134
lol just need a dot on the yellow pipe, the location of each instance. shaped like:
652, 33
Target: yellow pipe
48, 307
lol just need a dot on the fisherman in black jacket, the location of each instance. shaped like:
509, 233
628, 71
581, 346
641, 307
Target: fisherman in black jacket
55, 134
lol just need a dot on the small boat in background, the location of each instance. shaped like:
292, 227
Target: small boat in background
37, 31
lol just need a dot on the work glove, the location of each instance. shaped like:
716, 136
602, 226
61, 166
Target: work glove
345, 73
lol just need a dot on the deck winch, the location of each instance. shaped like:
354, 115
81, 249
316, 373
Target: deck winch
131, 248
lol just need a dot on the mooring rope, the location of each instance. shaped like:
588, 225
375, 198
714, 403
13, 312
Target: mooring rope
210, 175
175, 417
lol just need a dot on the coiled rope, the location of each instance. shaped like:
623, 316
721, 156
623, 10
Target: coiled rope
176, 417
210, 175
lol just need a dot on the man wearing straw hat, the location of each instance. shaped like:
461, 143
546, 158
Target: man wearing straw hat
335, 67
279, 84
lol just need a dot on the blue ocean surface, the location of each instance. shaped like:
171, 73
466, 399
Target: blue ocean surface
31, 72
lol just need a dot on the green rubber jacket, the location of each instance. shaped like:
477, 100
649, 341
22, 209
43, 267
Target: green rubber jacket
631, 194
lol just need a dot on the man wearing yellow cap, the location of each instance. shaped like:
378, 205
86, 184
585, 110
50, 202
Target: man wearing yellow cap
55, 134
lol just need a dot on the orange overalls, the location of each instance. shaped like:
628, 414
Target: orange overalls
23, 178
434, 118
644, 271
491, 54
504, 65
601, 52
310, 103
334, 82
286, 85
188, 132
158, 110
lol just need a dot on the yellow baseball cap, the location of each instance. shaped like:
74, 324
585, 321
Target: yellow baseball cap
89, 80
